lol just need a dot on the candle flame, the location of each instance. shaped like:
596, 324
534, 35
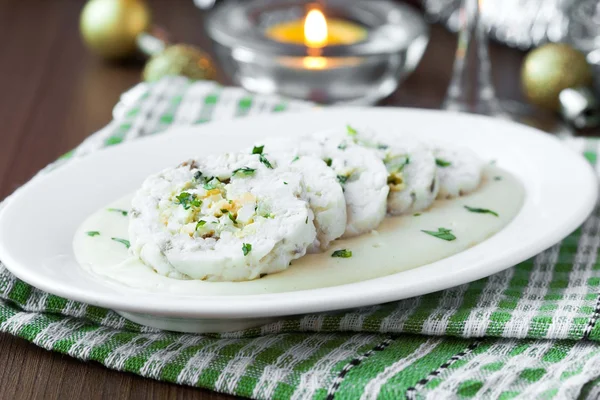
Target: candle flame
315, 29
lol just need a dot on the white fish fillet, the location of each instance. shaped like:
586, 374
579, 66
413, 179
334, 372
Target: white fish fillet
322, 192
411, 168
459, 170
359, 172
253, 222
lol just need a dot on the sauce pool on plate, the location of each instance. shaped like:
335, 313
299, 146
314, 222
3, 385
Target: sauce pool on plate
399, 243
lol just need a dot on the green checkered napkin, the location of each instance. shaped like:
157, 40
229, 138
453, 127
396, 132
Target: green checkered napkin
528, 332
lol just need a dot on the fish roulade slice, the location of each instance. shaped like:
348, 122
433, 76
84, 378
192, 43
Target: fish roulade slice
359, 173
459, 170
323, 193
411, 169
232, 217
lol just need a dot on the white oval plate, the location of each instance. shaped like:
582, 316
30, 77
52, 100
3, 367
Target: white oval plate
38, 222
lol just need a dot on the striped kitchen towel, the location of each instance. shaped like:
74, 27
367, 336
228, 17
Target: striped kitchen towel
528, 332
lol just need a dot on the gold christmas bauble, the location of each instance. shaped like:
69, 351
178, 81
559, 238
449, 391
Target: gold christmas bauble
180, 59
551, 68
110, 27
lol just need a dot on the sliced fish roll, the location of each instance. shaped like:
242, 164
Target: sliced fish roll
324, 195
411, 169
363, 179
412, 178
459, 171
221, 218
359, 172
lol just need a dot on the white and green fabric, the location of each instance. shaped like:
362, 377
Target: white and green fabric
531, 331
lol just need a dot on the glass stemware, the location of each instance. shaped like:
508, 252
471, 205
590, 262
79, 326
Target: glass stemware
471, 88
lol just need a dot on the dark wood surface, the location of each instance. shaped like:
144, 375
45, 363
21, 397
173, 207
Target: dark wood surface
53, 93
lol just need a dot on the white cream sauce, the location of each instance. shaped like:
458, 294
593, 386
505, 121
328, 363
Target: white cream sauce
397, 245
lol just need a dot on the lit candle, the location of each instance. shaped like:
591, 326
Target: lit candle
316, 32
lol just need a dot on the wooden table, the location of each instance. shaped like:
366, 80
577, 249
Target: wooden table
53, 93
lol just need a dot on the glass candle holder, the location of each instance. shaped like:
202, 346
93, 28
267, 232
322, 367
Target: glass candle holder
371, 46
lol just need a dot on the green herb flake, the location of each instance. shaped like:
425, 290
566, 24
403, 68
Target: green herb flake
351, 131
118, 210
232, 218
122, 241
342, 146
246, 248
188, 200
92, 233
481, 211
264, 160
328, 161
342, 179
381, 146
416, 214
497, 178
200, 224
295, 159
306, 221
285, 183
269, 215
244, 171
442, 163
224, 211
258, 149
343, 253
442, 233
197, 175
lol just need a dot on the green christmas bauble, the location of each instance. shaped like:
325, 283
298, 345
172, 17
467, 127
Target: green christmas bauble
182, 60
110, 27
551, 68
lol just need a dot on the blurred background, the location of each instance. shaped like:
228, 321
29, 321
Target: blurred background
65, 64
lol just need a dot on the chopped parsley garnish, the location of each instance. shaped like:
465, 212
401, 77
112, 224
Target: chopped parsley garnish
245, 171
209, 186
295, 159
442, 163
232, 218
381, 146
342, 146
200, 224
224, 211
442, 233
258, 149
497, 178
246, 248
188, 200
92, 233
122, 241
264, 160
118, 210
285, 183
351, 131
198, 175
416, 214
268, 215
306, 221
481, 210
343, 253
342, 179
328, 161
